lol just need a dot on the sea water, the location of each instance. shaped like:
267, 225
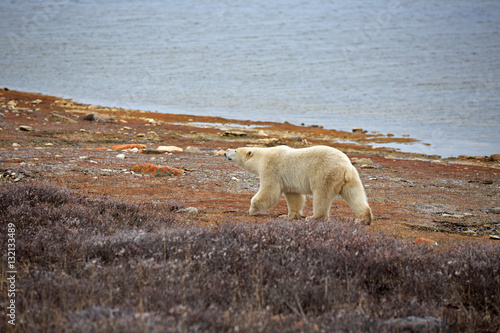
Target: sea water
427, 68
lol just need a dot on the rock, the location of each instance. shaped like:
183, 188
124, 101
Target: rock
415, 324
192, 210
12, 104
496, 237
390, 135
157, 170
495, 157
262, 133
152, 151
2, 115
151, 121
495, 210
458, 216
362, 161
36, 101
423, 240
128, 146
16, 144
55, 117
358, 130
98, 118
268, 142
170, 149
121, 156
234, 134
26, 128
193, 150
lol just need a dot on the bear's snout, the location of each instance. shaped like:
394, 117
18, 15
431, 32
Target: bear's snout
230, 154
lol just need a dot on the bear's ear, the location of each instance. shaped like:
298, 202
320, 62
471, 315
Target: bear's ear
249, 154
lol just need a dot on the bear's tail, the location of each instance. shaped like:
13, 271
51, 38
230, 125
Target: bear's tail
354, 193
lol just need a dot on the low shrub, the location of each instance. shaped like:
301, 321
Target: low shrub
91, 265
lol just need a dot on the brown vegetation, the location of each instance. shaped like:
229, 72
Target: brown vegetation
96, 265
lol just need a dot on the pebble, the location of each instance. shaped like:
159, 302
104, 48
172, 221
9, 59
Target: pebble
495, 157
362, 161
495, 210
234, 133
98, 117
170, 149
152, 151
120, 156
262, 133
157, 170
192, 210
16, 144
128, 146
193, 150
55, 117
26, 128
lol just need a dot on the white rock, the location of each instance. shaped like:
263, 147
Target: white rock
25, 128
120, 156
193, 210
194, 150
170, 149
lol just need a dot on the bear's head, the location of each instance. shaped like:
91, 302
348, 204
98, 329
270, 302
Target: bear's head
242, 157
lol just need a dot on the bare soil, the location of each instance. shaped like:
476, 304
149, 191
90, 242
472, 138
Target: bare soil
411, 195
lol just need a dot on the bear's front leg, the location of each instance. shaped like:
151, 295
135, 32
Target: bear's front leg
265, 199
295, 202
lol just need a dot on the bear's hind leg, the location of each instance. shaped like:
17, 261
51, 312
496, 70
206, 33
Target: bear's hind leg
354, 193
296, 202
322, 202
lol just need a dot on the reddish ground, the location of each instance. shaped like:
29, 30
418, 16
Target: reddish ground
412, 196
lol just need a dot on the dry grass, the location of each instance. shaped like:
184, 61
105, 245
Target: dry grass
92, 265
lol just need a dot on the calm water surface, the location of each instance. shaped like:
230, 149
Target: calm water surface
428, 68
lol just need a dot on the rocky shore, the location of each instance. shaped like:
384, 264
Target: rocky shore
139, 156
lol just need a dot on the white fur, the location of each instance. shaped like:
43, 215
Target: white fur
321, 171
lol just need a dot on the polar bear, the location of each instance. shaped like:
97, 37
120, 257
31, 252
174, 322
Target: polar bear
321, 171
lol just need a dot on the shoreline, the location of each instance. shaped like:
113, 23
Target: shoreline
358, 140
46, 138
